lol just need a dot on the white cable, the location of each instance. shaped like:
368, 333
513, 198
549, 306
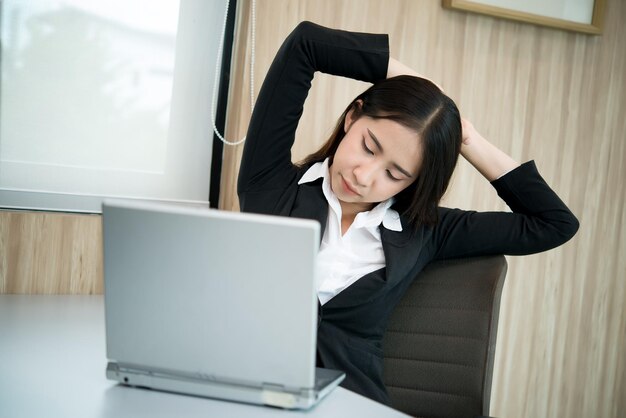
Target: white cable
217, 71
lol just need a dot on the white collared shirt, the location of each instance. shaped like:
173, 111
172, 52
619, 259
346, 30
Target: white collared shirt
342, 260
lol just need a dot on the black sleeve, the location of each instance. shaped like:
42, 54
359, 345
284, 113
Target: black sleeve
540, 220
266, 161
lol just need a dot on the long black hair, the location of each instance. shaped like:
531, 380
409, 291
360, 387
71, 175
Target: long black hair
420, 105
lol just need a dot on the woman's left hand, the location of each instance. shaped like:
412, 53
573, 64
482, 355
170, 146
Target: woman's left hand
490, 161
469, 131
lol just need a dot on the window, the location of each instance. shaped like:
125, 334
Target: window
106, 99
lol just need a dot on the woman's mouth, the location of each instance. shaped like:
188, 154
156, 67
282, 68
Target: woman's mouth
348, 187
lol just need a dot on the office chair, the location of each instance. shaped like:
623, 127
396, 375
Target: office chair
440, 344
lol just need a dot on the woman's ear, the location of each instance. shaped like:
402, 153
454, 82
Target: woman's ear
347, 121
350, 116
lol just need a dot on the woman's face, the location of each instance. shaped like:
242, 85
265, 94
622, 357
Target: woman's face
377, 159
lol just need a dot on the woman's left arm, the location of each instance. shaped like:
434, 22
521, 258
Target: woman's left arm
540, 220
488, 159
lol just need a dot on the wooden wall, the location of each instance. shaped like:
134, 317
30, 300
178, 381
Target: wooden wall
554, 96
50, 253
538, 93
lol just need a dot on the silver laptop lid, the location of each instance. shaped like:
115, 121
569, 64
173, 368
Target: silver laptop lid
212, 293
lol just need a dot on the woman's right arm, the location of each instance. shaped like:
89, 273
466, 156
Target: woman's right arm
266, 162
397, 68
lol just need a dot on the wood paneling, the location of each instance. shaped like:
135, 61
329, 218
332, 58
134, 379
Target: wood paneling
538, 93
50, 253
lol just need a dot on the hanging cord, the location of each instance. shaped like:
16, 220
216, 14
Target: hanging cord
217, 71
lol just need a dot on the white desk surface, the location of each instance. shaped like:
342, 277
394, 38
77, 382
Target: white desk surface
53, 360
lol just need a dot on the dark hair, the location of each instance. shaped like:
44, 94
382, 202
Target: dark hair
420, 105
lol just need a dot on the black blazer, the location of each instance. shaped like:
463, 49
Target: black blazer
353, 322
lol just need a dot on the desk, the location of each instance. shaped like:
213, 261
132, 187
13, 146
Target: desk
52, 363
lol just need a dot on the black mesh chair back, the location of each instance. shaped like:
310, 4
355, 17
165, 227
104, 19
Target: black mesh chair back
440, 344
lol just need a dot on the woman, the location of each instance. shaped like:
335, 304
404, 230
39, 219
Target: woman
375, 188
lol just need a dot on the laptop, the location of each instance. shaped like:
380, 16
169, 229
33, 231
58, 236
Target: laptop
213, 303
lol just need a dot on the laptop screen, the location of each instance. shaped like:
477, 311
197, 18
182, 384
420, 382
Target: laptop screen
211, 293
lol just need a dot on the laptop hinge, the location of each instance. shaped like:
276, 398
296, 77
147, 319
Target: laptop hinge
281, 396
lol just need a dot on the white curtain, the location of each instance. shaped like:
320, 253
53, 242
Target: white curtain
106, 98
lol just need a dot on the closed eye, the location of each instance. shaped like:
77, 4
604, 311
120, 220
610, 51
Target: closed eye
392, 177
366, 149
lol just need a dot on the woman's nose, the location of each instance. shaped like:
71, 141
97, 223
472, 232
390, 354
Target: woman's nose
364, 174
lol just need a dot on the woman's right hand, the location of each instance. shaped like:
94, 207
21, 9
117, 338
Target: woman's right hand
396, 68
